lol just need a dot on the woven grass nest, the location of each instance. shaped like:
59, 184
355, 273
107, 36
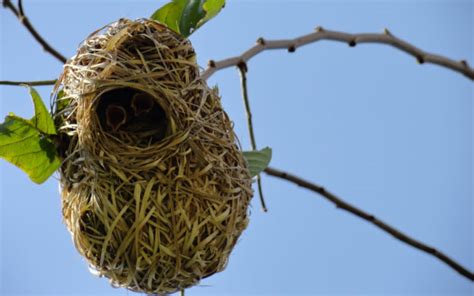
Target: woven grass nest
155, 189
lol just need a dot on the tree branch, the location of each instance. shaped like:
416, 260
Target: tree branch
243, 80
352, 39
372, 219
291, 45
24, 20
30, 83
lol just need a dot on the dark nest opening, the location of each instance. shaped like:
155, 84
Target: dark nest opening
132, 116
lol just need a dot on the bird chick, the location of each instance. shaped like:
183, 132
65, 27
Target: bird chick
142, 103
116, 116
151, 125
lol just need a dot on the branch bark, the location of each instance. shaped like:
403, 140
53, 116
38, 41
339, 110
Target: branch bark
30, 83
341, 204
291, 45
24, 20
352, 39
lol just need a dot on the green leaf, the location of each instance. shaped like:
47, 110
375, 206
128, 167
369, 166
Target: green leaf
258, 160
24, 146
186, 16
42, 119
192, 14
28, 144
61, 102
170, 14
212, 7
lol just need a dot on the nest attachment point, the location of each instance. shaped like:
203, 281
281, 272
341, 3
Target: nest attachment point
155, 189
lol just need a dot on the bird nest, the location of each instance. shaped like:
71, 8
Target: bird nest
155, 189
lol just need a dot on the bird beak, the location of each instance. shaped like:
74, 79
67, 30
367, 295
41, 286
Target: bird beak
116, 116
142, 103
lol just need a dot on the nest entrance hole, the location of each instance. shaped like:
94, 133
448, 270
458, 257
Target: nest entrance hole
132, 115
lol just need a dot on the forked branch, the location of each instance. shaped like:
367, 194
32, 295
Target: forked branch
24, 20
351, 39
291, 45
341, 204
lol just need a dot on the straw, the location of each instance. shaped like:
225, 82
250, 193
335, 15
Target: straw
156, 201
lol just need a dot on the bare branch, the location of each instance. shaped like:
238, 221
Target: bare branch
30, 83
24, 20
372, 219
243, 80
352, 39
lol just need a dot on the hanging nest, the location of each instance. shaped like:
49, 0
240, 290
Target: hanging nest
155, 189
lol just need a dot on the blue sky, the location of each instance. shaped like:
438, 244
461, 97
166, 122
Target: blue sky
368, 123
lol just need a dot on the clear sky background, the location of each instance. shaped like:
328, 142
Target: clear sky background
368, 123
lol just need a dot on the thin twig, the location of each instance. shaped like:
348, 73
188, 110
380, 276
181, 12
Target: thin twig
372, 219
30, 83
20, 7
352, 39
243, 79
24, 20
